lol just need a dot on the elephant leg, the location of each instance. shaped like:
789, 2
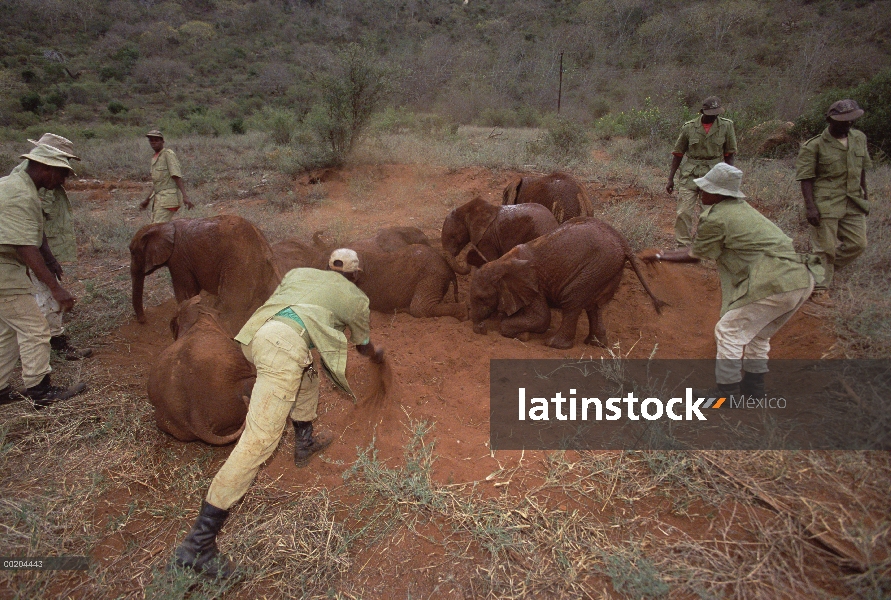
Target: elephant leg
185, 285
564, 338
534, 318
596, 328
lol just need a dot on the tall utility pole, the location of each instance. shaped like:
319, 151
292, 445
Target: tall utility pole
560, 89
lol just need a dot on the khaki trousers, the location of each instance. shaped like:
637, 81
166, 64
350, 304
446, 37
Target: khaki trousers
25, 334
743, 334
162, 215
685, 219
285, 386
839, 241
48, 306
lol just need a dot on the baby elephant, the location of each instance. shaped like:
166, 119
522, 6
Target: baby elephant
577, 267
201, 384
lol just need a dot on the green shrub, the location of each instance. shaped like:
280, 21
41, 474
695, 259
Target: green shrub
115, 107
237, 126
564, 141
31, 102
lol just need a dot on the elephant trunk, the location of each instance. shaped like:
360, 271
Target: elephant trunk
457, 267
137, 275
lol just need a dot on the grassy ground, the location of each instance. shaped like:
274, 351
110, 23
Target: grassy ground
593, 524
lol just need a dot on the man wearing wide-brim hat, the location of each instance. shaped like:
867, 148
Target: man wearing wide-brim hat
168, 190
832, 170
763, 280
703, 142
59, 232
24, 332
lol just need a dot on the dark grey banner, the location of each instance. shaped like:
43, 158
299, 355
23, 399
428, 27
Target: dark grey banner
670, 405
44, 563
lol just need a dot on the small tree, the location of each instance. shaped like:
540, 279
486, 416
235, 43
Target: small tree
351, 95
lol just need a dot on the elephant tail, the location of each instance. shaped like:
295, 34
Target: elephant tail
636, 265
221, 440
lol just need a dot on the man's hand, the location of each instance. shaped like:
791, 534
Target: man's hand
670, 187
813, 216
188, 203
64, 298
144, 203
649, 256
374, 355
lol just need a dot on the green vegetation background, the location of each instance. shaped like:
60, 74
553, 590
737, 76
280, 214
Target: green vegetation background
103, 69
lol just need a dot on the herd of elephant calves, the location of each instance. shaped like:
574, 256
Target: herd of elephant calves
540, 250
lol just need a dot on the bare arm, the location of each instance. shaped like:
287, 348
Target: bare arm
678, 255
675, 163
863, 185
807, 191
182, 190
50, 260
729, 158
31, 256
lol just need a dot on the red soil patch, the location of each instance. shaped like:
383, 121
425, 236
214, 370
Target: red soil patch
440, 366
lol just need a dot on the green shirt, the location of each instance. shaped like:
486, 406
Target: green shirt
58, 221
21, 225
165, 167
326, 303
702, 150
836, 171
755, 258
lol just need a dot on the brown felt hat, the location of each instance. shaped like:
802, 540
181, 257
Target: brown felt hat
844, 110
155, 133
712, 106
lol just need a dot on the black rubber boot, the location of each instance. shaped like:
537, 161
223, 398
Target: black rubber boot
305, 444
752, 385
6, 396
44, 393
199, 550
722, 390
61, 344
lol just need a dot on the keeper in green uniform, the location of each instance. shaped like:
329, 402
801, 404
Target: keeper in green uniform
24, 331
832, 170
763, 280
704, 142
59, 232
309, 309
168, 190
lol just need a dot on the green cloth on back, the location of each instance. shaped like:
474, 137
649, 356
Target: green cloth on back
702, 150
165, 167
836, 171
21, 224
755, 258
327, 303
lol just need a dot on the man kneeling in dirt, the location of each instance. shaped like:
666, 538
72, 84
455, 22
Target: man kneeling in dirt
763, 280
309, 309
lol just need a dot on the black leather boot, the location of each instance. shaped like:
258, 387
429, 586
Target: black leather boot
62, 345
199, 550
305, 444
44, 393
6, 396
752, 385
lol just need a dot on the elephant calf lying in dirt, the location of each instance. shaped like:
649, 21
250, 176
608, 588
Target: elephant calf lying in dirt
201, 384
577, 267
411, 278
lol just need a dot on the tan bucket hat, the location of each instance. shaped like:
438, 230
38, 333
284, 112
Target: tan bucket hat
344, 260
723, 180
63, 145
50, 156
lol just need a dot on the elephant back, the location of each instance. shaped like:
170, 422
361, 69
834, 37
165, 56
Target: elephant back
559, 192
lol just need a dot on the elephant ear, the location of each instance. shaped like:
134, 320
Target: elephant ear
512, 191
157, 246
518, 287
